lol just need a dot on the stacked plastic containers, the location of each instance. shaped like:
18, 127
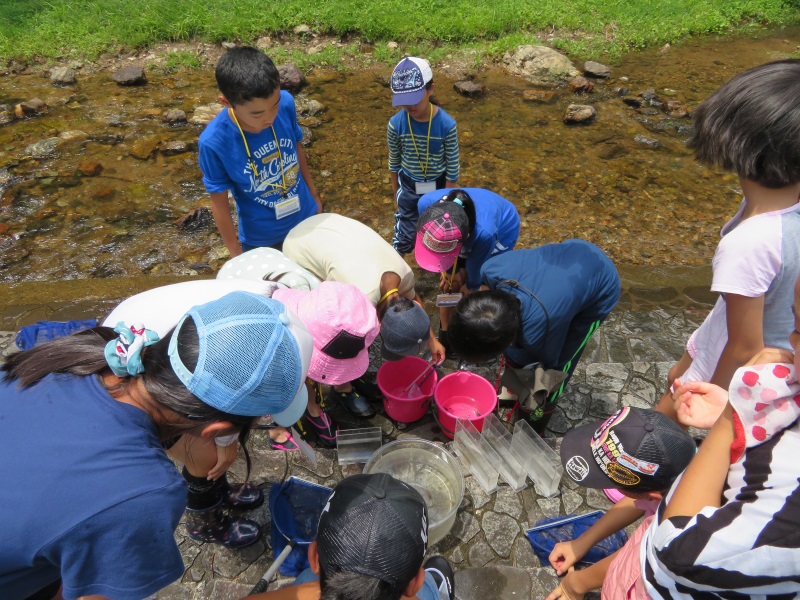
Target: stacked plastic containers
496, 452
357, 445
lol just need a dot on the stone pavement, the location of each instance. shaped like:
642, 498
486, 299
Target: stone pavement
625, 363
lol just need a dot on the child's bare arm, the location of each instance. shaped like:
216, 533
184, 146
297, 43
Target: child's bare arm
744, 317
702, 482
619, 516
577, 583
221, 209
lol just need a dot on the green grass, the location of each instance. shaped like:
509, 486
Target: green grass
180, 60
33, 29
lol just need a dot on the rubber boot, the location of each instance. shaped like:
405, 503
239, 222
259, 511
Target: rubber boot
213, 526
538, 418
242, 496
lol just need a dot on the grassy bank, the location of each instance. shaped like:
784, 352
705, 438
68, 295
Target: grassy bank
52, 29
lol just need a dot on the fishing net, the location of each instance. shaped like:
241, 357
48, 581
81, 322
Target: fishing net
548, 532
295, 507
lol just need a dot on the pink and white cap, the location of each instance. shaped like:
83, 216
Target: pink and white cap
343, 323
441, 230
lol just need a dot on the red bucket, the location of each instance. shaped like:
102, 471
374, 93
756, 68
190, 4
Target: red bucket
463, 395
393, 379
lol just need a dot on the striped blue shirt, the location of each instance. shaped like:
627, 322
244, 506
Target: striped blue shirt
440, 152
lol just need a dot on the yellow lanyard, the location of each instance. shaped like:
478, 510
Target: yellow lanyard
453, 273
283, 185
427, 143
386, 295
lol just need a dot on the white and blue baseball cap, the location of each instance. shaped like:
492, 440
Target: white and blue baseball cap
409, 79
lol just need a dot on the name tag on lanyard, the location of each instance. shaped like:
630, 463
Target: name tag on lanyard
423, 187
287, 207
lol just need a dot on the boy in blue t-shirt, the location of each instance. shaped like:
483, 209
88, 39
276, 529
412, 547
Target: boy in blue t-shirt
252, 149
423, 146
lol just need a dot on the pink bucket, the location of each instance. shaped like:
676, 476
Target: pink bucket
463, 395
394, 377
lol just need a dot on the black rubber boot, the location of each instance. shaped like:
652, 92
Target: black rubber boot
538, 418
442, 573
213, 526
241, 496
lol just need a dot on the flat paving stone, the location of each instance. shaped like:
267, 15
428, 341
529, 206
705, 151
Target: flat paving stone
501, 531
497, 583
507, 501
480, 554
466, 527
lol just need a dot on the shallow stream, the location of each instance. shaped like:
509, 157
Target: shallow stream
625, 181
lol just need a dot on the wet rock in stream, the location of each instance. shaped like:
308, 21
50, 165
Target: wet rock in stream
143, 148
470, 89
539, 63
173, 116
308, 107
29, 108
580, 85
62, 76
540, 96
43, 149
90, 168
130, 75
292, 79
203, 115
198, 218
174, 147
596, 69
579, 113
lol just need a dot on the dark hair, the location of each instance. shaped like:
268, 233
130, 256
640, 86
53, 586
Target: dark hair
431, 99
83, 354
346, 585
467, 203
244, 73
484, 324
751, 125
399, 303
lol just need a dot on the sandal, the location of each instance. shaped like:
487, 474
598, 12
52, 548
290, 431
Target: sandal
324, 427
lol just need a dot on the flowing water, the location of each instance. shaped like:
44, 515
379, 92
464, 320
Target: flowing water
624, 182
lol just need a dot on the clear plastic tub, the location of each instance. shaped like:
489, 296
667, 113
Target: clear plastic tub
432, 471
542, 464
357, 445
477, 455
511, 466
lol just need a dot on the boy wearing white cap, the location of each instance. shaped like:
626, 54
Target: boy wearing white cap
423, 146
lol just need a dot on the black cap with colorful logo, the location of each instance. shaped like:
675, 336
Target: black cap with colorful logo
635, 449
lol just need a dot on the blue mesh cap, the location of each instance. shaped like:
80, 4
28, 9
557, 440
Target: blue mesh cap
253, 356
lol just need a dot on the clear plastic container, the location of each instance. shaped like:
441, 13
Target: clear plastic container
477, 455
511, 467
432, 471
542, 464
357, 445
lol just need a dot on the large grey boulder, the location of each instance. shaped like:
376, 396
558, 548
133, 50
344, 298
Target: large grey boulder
540, 64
